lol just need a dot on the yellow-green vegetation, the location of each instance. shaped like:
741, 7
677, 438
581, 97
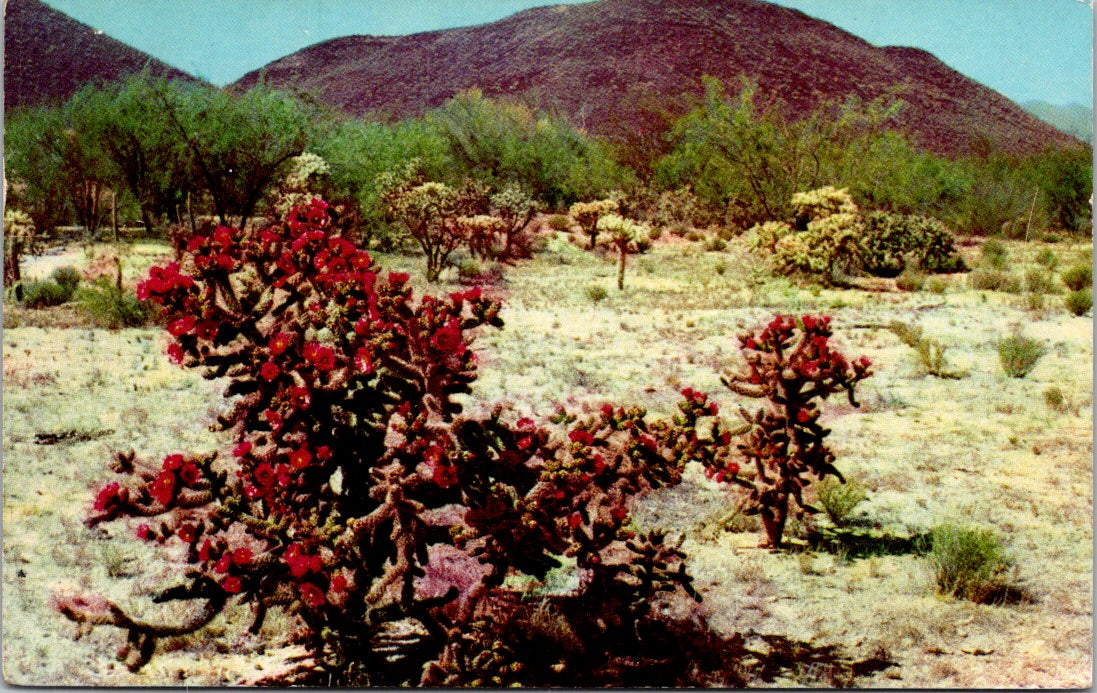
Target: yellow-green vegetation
923, 450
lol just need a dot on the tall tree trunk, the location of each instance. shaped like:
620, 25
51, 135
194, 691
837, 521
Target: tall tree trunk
114, 214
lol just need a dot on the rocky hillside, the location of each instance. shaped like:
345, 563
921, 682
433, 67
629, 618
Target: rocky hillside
619, 67
48, 56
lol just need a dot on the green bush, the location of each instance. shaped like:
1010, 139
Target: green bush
1040, 281
910, 280
994, 255
1019, 354
1047, 258
596, 293
715, 245
1056, 400
838, 499
1079, 302
45, 294
66, 276
936, 285
108, 306
558, 222
969, 564
994, 280
1078, 277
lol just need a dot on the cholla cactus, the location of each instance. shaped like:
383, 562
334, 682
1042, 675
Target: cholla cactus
305, 181
766, 236
587, 214
479, 233
829, 244
20, 237
821, 203
516, 208
625, 235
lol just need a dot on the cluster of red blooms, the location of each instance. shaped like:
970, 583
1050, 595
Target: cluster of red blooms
346, 441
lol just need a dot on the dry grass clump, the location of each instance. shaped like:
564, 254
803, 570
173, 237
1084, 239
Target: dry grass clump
839, 499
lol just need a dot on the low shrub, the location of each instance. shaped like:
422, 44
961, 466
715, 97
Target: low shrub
596, 293
839, 500
1056, 400
66, 276
969, 564
936, 285
1047, 258
1019, 354
1040, 281
112, 307
1078, 277
910, 280
994, 280
45, 294
1079, 302
558, 222
715, 245
930, 352
994, 255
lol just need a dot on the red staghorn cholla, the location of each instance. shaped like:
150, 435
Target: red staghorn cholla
356, 495
792, 364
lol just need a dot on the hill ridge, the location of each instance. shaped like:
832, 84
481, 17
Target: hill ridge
49, 56
589, 59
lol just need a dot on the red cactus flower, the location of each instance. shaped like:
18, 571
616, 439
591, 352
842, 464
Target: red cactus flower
188, 533
231, 584
269, 371
322, 357
162, 488
242, 557
279, 343
242, 448
300, 458
181, 326
311, 595
175, 351
190, 474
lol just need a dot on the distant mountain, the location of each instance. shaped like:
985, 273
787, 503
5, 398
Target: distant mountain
1073, 119
611, 64
48, 56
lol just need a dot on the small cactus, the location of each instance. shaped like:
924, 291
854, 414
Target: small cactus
625, 235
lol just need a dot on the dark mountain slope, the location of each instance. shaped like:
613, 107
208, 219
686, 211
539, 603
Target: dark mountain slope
48, 56
598, 61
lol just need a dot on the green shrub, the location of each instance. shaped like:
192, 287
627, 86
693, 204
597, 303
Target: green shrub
1039, 281
1034, 302
936, 285
994, 280
66, 276
1056, 400
108, 306
930, 352
716, 245
45, 294
910, 280
558, 222
1047, 258
838, 499
1019, 354
969, 564
1079, 302
596, 293
994, 255
1078, 277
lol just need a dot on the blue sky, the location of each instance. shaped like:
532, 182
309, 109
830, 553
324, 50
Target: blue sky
1026, 49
